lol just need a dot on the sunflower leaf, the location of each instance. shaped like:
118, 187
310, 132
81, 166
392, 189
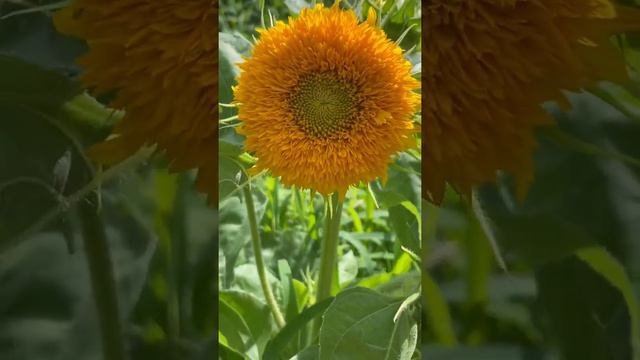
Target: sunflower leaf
360, 324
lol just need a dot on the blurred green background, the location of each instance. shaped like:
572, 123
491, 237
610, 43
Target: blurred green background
162, 236
570, 282
571, 251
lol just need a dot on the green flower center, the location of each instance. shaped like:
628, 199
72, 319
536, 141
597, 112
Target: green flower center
323, 106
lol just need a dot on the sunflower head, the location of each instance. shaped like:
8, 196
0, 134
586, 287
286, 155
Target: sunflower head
488, 67
159, 58
325, 100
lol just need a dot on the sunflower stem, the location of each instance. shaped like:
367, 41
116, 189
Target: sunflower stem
103, 283
328, 252
329, 247
257, 252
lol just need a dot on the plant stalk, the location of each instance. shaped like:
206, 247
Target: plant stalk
103, 283
329, 248
328, 255
257, 251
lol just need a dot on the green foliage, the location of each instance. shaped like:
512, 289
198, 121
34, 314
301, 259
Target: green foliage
570, 249
161, 236
42, 167
362, 324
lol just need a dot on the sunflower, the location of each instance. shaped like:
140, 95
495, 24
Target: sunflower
325, 100
159, 59
488, 67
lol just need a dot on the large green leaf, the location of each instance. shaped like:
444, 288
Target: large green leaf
22, 83
611, 270
41, 158
360, 324
247, 320
275, 349
33, 37
589, 318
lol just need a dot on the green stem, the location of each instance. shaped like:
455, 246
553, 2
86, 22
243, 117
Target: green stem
257, 251
329, 248
103, 283
328, 254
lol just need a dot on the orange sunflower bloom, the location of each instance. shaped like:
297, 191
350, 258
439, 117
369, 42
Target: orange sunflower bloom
325, 101
488, 67
160, 59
